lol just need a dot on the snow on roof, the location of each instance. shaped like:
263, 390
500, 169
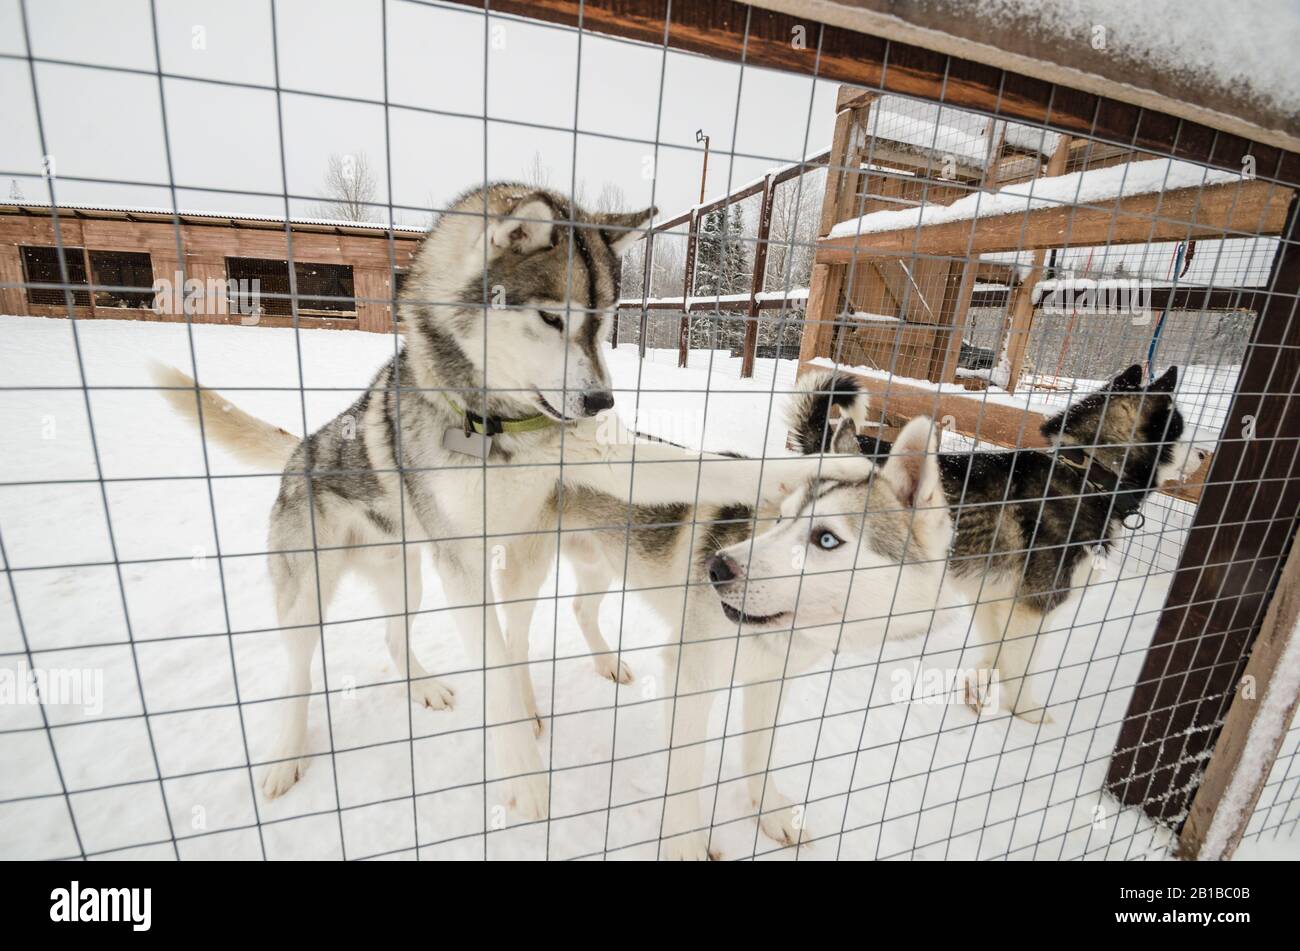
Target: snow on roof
1229, 66
1077, 188
931, 129
21, 203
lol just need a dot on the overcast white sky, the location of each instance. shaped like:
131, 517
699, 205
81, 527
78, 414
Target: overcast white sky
108, 125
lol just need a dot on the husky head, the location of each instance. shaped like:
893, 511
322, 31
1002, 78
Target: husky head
848, 552
513, 290
1136, 431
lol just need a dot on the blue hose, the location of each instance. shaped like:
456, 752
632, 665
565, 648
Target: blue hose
1160, 324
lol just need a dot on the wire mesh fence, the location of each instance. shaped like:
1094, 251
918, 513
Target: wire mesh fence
1001, 606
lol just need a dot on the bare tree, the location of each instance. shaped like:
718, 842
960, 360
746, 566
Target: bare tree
537, 174
351, 187
15, 192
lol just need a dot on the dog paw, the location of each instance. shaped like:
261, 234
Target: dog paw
785, 826
280, 777
432, 694
611, 668
1033, 712
692, 847
529, 797
980, 691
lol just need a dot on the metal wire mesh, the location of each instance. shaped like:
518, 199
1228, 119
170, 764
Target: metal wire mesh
854, 754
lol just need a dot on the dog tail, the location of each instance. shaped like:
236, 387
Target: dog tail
249, 439
808, 410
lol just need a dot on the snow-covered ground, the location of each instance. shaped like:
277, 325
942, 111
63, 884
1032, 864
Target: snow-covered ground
927, 780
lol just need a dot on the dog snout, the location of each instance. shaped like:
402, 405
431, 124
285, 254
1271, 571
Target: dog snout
722, 569
594, 401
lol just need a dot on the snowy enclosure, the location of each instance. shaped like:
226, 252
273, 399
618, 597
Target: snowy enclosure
1070, 312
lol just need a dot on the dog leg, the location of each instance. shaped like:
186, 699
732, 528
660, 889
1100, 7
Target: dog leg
701, 680
594, 576
518, 760
297, 603
779, 818
1009, 629
518, 582
399, 601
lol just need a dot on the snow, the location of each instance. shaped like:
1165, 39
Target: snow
1252, 54
927, 780
1088, 187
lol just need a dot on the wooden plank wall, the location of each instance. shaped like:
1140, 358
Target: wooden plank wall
206, 248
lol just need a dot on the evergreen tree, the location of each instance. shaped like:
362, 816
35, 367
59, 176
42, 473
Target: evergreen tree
721, 259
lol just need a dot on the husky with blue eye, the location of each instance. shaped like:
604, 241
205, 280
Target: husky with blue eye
458, 445
1026, 525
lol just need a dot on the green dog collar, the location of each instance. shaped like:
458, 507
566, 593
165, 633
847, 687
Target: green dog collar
494, 425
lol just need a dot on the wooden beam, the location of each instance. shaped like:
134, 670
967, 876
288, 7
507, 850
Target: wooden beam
1230, 209
735, 32
1164, 298
1227, 569
1227, 765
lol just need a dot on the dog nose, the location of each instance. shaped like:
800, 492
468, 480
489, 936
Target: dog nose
721, 569
593, 401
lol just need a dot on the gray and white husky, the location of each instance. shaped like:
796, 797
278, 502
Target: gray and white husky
460, 441
895, 548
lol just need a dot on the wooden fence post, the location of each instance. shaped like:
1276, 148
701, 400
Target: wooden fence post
1261, 712
688, 285
647, 284
756, 284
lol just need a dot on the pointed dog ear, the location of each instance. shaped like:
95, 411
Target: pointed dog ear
622, 228
528, 228
1166, 383
1130, 379
845, 440
913, 465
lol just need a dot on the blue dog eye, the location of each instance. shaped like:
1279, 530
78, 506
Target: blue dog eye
827, 540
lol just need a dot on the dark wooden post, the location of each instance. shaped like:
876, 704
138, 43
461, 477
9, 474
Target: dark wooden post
1229, 566
688, 285
647, 283
756, 285
90, 275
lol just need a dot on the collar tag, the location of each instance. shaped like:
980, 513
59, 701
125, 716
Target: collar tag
457, 439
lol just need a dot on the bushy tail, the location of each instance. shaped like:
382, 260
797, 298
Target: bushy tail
249, 439
807, 412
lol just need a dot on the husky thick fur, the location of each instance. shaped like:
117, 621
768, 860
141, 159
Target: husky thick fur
657, 547
1026, 525
506, 308
844, 563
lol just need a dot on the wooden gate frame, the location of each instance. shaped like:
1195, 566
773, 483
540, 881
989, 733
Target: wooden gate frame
1225, 582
